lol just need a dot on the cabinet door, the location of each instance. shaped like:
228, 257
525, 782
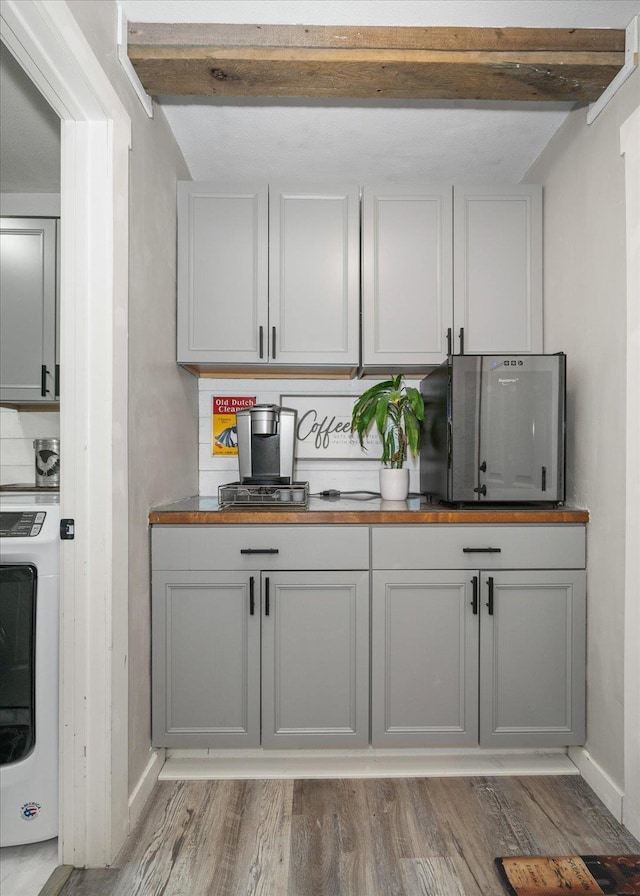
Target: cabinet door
206, 659
497, 277
407, 294
315, 659
314, 276
222, 273
424, 659
532, 659
28, 310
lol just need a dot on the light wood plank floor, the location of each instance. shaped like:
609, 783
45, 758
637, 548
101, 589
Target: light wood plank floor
360, 837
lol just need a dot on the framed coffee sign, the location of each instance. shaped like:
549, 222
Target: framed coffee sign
323, 429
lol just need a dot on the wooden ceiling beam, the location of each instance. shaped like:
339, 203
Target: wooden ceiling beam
229, 61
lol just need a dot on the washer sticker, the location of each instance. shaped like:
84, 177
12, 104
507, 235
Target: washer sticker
30, 811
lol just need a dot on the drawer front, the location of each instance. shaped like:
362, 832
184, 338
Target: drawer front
479, 547
260, 547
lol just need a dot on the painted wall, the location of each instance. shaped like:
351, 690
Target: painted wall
585, 316
162, 397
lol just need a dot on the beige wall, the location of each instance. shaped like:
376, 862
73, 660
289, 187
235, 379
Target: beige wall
162, 397
585, 316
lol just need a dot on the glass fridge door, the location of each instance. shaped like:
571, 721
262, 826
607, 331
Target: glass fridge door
521, 455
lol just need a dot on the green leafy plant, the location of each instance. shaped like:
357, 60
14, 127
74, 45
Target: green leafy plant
397, 411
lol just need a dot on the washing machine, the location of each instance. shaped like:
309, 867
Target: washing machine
29, 627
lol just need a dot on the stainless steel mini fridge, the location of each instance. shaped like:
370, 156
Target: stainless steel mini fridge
494, 429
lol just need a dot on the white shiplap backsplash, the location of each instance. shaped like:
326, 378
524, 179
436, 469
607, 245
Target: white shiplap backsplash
343, 475
18, 429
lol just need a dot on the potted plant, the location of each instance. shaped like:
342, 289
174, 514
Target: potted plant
397, 411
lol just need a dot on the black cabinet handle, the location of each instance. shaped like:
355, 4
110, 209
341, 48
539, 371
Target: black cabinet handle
261, 341
273, 342
481, 550
483, 467
449, 346
57, 382
259, 550
252, 597
490, 601
43, 381
462, 340
266, 597
474, 600
482, 490
543, 484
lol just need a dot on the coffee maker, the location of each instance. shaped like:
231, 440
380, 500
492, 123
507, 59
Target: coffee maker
266, 441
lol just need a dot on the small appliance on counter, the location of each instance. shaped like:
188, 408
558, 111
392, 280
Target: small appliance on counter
47, 462
494, 429
266, 451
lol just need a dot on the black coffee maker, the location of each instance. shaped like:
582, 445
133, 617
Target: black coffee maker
266, 444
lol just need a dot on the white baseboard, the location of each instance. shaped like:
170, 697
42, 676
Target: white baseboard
143, 789
598, 780
366, 763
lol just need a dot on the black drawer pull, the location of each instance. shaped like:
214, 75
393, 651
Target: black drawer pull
252, 597
481, 550
474, 601
43, 381
267, 603
490, 601
259, 550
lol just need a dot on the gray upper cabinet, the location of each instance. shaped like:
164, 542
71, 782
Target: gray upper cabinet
28, 310
222, 273
407, 291
314, 276
497, 279
463, 259
268, 277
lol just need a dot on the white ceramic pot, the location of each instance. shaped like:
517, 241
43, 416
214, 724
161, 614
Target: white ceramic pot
394, 484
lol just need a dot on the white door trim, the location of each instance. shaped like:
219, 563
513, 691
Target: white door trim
630, 148
48, 43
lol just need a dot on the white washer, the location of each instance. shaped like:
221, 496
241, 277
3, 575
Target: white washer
29, 626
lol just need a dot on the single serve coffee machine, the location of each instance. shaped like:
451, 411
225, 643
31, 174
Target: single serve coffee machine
266, 442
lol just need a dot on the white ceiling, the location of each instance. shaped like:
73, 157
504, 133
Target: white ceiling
321, 140
369, 140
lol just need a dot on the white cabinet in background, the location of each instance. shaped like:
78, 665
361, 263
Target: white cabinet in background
268, 277
28, 311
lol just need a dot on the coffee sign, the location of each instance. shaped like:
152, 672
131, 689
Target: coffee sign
323, 429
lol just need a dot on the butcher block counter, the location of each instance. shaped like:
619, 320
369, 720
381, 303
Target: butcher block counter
348, 510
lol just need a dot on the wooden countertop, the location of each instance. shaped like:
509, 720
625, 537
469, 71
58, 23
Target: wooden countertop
204, 510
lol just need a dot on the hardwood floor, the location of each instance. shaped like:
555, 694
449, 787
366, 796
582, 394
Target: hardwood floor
357, 837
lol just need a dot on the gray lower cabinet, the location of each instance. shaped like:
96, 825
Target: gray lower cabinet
250, 656
492, 655
315, 660
205, 659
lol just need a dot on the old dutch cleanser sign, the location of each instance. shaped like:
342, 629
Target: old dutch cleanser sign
324, 429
